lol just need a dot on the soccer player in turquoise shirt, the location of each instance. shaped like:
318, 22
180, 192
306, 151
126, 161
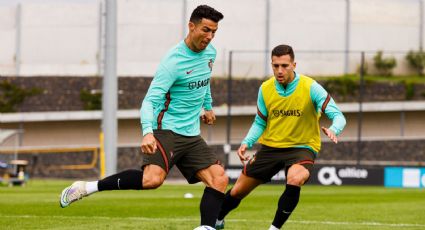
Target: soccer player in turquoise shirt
179, 91
170, 118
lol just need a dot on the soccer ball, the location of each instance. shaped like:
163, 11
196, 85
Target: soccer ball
188, 195
204, 227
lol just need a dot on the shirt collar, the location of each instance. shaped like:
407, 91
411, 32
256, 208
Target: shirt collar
291, 84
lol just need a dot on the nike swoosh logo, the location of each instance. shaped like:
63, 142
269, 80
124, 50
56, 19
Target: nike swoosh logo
189, 72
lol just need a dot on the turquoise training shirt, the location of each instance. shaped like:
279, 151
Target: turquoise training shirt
318, 96
179, 91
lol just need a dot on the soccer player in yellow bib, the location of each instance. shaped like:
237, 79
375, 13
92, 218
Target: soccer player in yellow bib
289, 106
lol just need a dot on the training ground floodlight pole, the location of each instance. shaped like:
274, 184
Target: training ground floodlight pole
360, 113
421, 24
227, 147
347, 36
109, 95
18, 40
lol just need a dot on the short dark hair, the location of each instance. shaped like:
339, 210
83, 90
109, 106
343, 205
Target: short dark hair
281, 50
204, 11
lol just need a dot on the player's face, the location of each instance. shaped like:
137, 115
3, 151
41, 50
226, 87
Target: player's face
283, 68
201, 34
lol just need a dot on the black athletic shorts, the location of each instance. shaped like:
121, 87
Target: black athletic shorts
268, 161
189, 154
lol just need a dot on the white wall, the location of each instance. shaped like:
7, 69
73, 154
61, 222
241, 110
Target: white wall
7, 40
311, 25
146, 31
385, 25
59, 39
62, 38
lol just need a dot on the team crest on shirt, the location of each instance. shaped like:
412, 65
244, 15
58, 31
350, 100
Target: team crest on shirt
210, 64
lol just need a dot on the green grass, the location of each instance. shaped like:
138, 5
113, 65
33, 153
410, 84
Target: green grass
36, 206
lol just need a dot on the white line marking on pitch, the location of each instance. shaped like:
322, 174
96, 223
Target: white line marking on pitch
227, 220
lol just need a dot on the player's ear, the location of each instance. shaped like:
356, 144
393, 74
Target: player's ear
191, 26
295, 65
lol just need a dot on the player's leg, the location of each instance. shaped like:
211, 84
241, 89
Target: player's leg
153, 173
297, 174
260, 169
150, 178
243, 186
129, 179
214, 177
198, 163
216, 181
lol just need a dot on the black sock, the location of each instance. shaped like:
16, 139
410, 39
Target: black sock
287, 203
228, 205
210, 206
128, 179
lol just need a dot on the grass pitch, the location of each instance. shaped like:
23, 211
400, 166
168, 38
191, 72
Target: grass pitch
36, 206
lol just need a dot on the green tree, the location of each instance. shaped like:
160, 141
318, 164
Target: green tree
416, 60
12, 95
92, 101
384, 65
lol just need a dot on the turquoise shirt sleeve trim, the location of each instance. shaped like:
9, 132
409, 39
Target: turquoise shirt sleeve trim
160, 85
318, 95
259, 125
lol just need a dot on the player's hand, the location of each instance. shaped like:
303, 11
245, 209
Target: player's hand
241, 153
148, 144
330, 134
209, 117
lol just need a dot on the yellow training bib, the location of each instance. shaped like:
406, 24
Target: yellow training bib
292, 121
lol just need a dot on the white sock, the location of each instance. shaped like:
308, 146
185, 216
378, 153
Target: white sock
218, 222
272, 227
91, 187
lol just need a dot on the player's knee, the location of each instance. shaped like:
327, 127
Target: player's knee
297, 180
220, 181
152, 182
238, 193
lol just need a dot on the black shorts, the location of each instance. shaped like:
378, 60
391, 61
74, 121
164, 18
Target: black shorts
189, 154
268, 161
